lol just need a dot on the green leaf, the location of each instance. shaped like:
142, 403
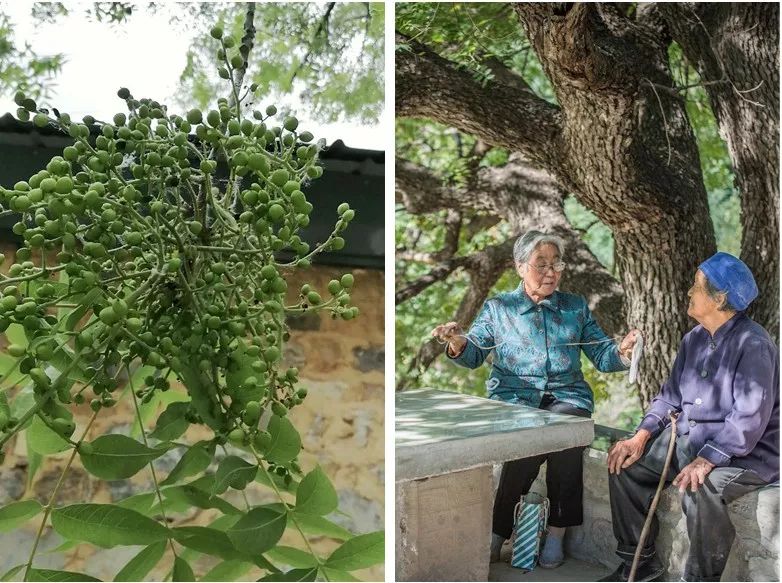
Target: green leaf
114, 457
318, 525
85, 303
149, 409
257, 531
227, 571
359, 552
139, 566
18, 513
9, 574
139, 502
171, 423
15, 335
337, 575
292, 557
62, 360
43, 440
9, 371
107, 525
34, 461
182, 571
193, 496
235, 377
214, 542
194, 461
308, 574
235, 472
315, 494
286, 442
51, 575
5, 408
23, 402
203, 397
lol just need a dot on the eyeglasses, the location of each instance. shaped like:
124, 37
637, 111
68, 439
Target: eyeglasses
558, 267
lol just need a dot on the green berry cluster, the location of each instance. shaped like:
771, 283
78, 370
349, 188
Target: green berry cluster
158, 260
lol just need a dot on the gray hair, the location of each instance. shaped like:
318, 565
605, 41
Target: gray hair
719, 296
526, 244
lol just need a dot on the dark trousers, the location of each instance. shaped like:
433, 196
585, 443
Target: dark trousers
564, 480
709, 528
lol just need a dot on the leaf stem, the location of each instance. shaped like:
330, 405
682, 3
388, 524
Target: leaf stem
151, 467
53, 496
293, 518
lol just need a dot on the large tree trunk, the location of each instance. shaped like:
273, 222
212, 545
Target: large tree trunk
735, 48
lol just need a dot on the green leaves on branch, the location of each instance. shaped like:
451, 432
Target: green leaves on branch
140, 565
359, 552
233, 472
315, 494
258, 530
17, 513
194, 461
172, 422
107, 525
285, 443
114, 457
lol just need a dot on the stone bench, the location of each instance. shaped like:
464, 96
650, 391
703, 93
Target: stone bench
755, 552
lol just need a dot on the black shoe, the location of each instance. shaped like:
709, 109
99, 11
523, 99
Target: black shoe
648, 571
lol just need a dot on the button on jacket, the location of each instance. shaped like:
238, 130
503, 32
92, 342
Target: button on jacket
535, 352
727, 389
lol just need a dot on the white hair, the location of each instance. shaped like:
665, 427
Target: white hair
526, 244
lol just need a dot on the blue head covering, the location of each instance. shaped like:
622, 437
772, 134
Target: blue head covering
731, 275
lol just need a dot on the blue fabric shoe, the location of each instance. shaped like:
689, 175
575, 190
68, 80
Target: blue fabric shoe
552, 555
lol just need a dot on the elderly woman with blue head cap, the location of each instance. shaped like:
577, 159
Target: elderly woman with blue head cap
724, 385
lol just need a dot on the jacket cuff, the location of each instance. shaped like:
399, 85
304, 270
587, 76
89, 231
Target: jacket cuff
653, 423
714, 454
458, 356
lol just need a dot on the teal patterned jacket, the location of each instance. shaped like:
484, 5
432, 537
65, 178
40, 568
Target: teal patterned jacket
532, 356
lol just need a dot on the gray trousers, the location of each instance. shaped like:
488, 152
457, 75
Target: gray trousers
710, 530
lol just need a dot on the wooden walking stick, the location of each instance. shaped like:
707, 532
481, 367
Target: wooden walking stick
656, 499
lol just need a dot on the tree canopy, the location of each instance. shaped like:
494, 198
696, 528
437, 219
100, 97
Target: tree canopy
330, 55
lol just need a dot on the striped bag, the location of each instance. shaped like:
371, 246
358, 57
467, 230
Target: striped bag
530, 520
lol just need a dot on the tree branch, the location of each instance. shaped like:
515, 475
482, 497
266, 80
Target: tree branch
429, 86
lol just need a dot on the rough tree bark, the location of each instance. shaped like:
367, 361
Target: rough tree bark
623, 148
527, 198
735, 48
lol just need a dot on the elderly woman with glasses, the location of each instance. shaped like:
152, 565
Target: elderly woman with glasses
537, 334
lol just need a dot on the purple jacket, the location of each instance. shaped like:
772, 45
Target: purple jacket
727, 389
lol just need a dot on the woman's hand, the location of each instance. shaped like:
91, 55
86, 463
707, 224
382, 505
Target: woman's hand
628, 343
625, 453
693, 474
452, 334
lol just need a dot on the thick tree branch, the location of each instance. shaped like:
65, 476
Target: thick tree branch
502, 115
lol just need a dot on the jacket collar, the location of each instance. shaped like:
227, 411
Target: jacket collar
526, 304
723, 331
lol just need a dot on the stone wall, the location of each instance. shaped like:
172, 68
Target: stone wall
755, 553
341, 422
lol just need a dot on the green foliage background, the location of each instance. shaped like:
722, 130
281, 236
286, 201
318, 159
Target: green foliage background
468, 34
337, 56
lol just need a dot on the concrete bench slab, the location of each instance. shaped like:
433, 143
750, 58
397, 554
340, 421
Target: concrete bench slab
438, 432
